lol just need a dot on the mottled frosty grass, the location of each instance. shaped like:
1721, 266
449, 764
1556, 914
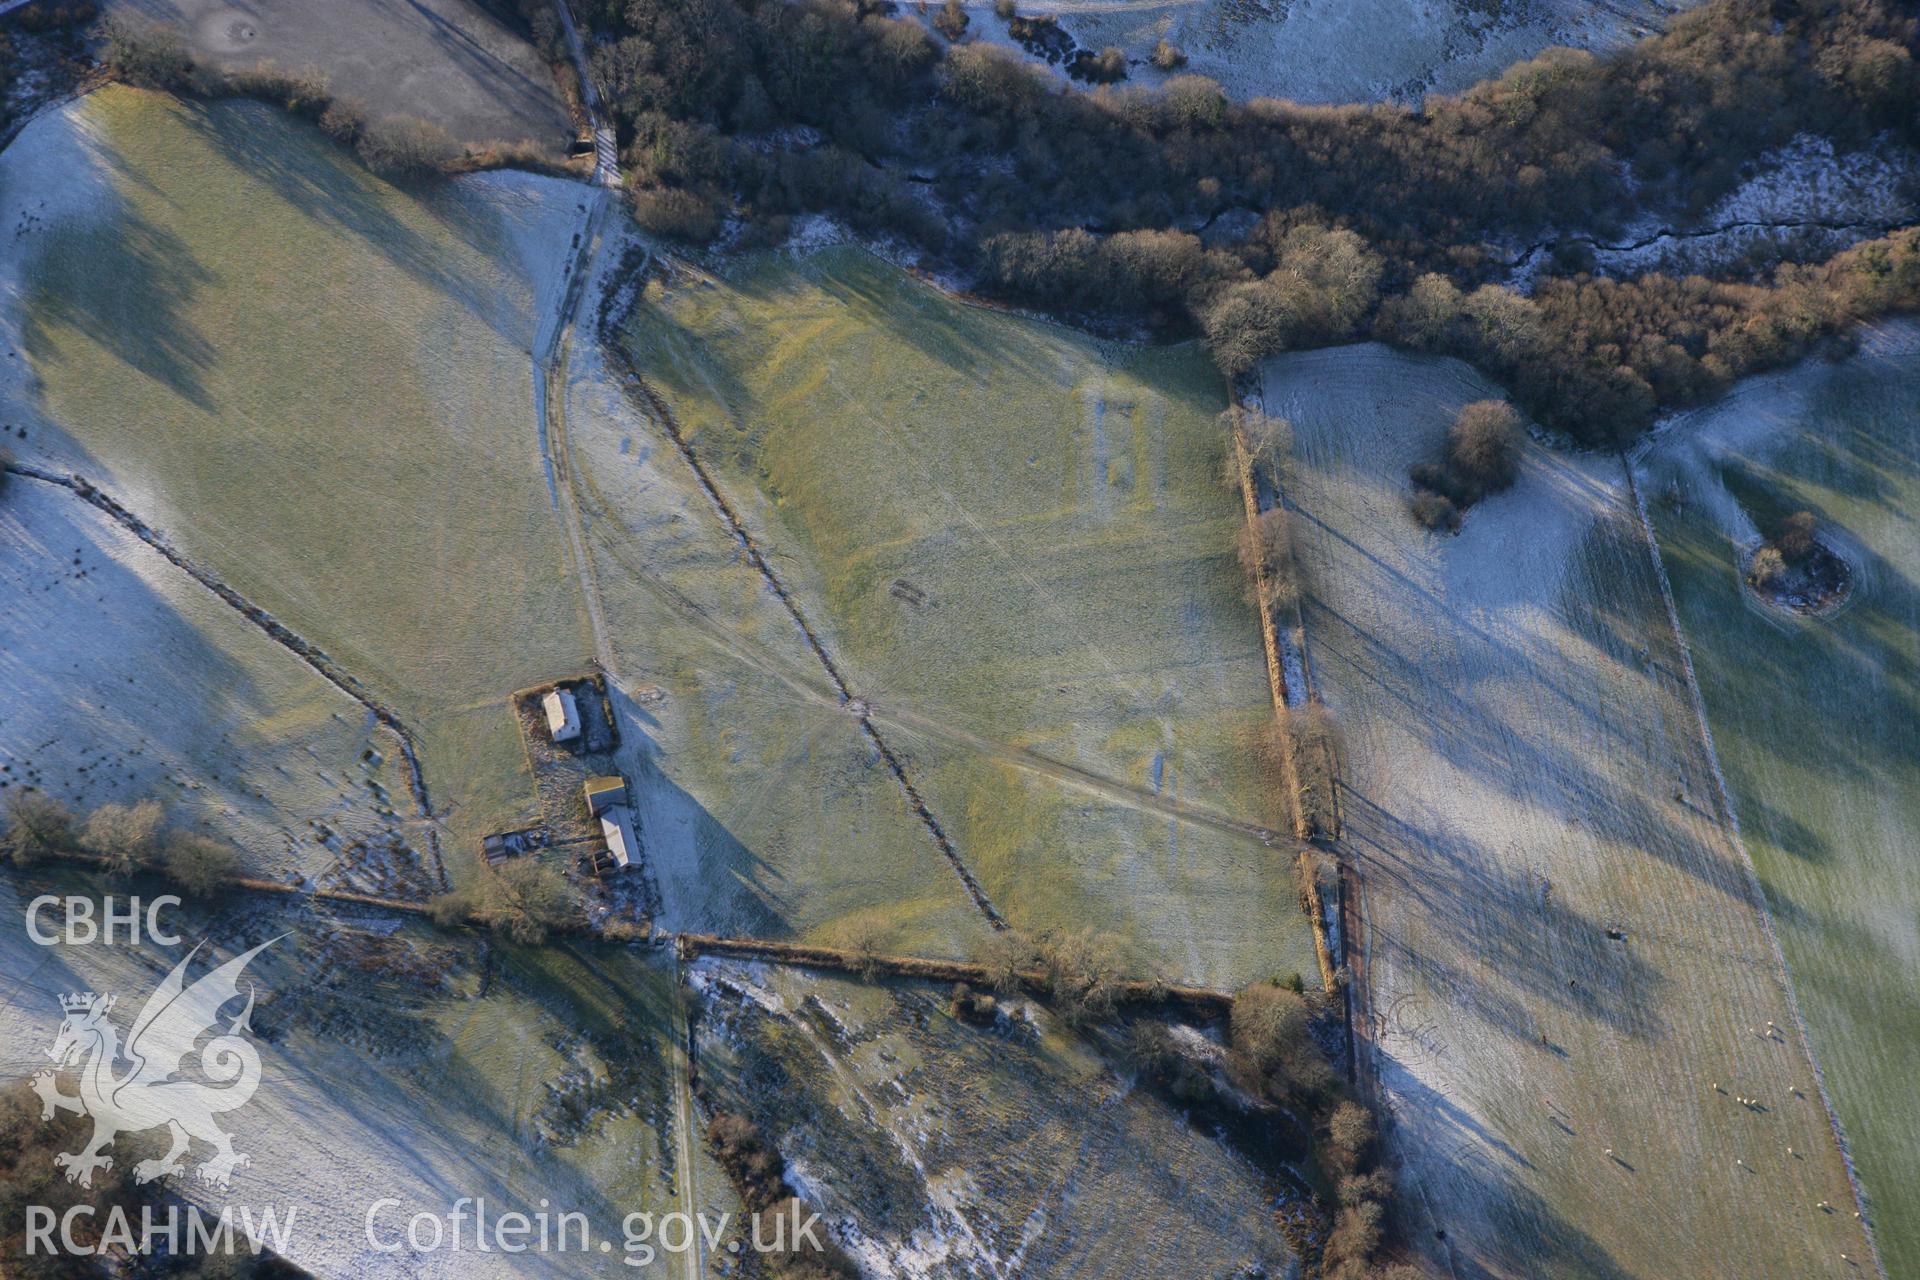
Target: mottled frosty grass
1563, 946
407, 1062
1016, 542
318, 385
1814, 720
1336, 51
1021, 1147
124, 680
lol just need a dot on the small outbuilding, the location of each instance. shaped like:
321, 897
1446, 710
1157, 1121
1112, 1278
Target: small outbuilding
607, 801
604, 792
563, 715
616, 826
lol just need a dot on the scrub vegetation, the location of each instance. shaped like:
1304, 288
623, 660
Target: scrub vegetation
957, 1149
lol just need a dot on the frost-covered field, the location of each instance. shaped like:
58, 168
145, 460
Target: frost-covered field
316, 385
1016, 543
764, 810
124, 679
1523, 771
450, 62
403, 1063
1814, 720
941, 1151
1339, 50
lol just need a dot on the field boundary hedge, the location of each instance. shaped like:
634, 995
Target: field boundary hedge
1277, 686
691, 946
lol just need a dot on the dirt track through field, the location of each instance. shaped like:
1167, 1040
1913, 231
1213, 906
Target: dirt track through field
550, 409
309, 654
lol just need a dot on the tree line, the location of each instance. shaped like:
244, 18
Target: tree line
1348, 222
1364, 220
126, 839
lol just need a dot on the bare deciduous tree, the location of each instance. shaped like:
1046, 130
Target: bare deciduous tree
128, 836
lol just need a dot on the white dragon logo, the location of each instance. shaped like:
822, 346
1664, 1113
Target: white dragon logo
150, 1091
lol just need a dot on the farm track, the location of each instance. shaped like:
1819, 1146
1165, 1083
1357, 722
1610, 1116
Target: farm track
1125, 794
550, 408
315, 658
656, 408
606, 151
684, 1067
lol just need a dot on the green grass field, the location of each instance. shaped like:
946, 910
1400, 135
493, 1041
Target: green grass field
1015, 541
1814, 719
1562, 946
319, 386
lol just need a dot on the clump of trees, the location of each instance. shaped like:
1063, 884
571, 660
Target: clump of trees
1151, 1050
1109, 66
148, 54
1274, 1050
1080, 972
126, 839
977, 1007
1795, 538
1323, 283
1264, 545
951, 21
865, 942
38, 827
1598, 358
1482, 457
522, 900
1794, 569
1300, 746
1268, 440
199, 864
1269, 1031
1266, 556
758, 1172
